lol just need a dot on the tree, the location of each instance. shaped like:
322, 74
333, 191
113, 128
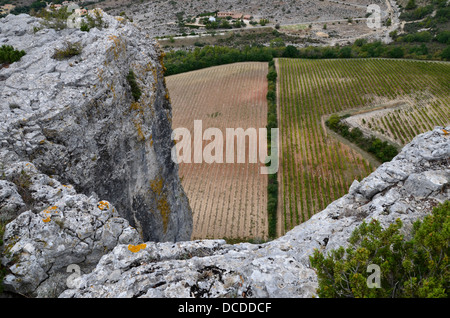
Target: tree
272, 76
443, 37
291, 51
446, 53
10, 55
415, 268
333, 122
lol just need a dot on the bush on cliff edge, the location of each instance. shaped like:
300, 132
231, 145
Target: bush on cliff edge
418, 268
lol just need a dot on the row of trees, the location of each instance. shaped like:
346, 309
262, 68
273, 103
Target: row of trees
184, 61
181, 61
272, 122
382, 150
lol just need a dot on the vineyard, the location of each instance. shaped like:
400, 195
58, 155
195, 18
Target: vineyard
228, 200
316, 169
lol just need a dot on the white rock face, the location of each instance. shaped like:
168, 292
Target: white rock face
76, 119
406, 188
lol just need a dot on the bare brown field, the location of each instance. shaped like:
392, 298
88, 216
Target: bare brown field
396, 99
228, 200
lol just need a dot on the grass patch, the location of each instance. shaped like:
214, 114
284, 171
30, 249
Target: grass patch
69, 50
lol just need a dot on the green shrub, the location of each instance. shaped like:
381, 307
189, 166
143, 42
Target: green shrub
9, 55
396, 52
69, 50
411, 5
415, 268
54, 19
89, 22
443, 37
135, 90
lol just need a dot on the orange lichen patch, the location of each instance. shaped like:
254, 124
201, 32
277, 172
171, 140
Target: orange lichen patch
446, 132
51, 209
136, 248
102, 205
46, 220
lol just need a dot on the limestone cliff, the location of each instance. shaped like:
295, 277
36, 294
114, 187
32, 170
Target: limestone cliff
76, 119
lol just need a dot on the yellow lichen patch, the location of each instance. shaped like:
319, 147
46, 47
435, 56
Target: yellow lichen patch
136, 106
157, 186
102, 205
136, 248
118, 47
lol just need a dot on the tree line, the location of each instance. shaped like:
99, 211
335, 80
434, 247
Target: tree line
181, 61
382, 150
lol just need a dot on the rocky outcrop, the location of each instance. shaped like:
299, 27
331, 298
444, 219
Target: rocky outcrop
406, 188
76, 119
60, 229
